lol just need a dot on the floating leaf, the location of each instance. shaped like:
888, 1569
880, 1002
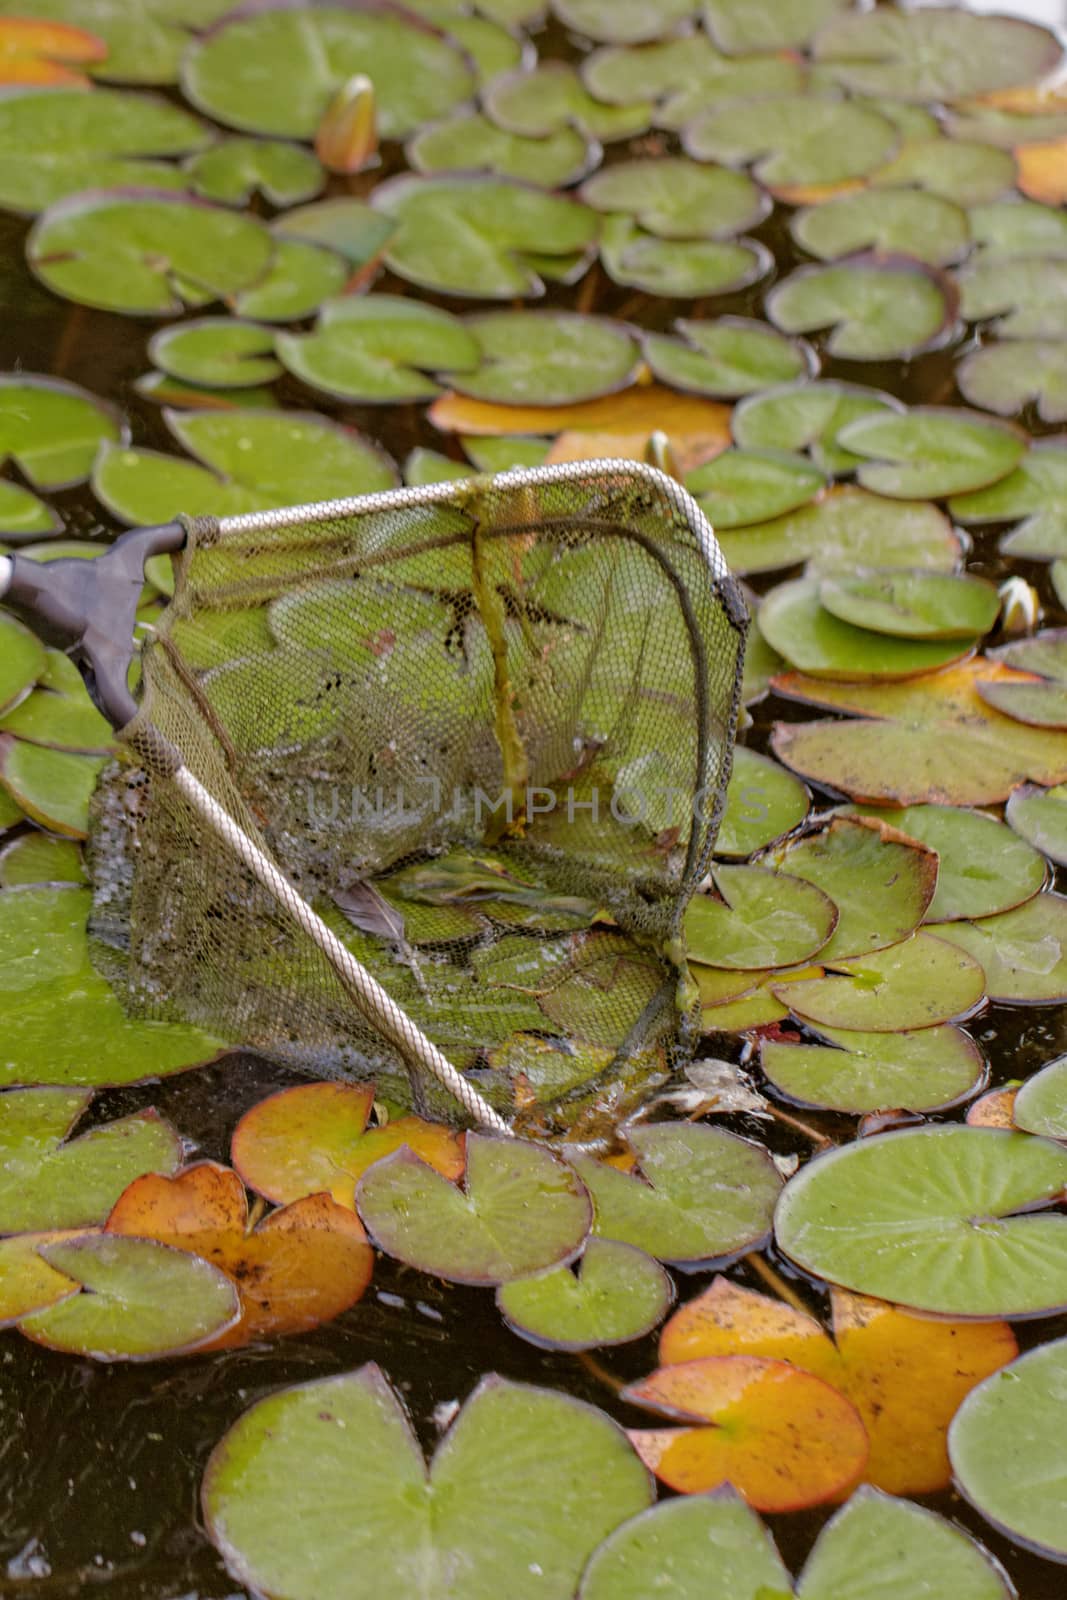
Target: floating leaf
37, 858
905, 1375
913, 605
699, 1194
763, 802
1040, 817
216, 350
878, 306
46, 52
846, 529
619, 1294
934, 55
144, 45
793, 139
746, 486
233, 170
622, 21
783, 1438
927, 1217
139, 1300
1040, 171
1026, 294
469, 142
1023, 952
808, 416
933, 451
300, 1266
371, 349
737, 26
49, 1180
145, 253
982, 867
520, 1492
53, 787
1017, 228
1037, 492
347, 227
545, 358
923, 226
538, 101
27, 1282
684, 268
314, 1137
300, 278
479, 236
1007, 377
813, 640
678, 199
23, 516
926, 1070
758, 918
275, 70
22, 660
726, 357
915, 984
1040, 1105
52, 429
967, 174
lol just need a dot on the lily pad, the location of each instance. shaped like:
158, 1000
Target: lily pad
808, 416
763, 802
53, 787
933, 451
23, 516
623, 21
1036, 492
913, 605
745, 486
520, 1492
233, 170
275, 70
926, 227
47, 52
1018, 228
52, 430
1007, 377
146, 253
1040, 817
983, 867
545, 358
483, 1232
846, 529
813, 640
470, 142
927, 1070
1023, 952
683, 268
965, 173
49, 1180
348, 227
22, 661
916, 984
699, 1194
737, 26
220, 351
793, 139
378, 348
758, 918
36, 858
618, 1294
727, 357
1026, 295
27, 1282
934, 55
479, 237
139, 1300
881, 885
538, 101
144, 45
928, 1217
878, 306
1040, 1106
678, 199
1006, 1449
300, 277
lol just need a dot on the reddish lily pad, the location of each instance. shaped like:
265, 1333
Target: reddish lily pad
618, 1294
879, 306
27, 1282
916, 984
46, 52
737, 26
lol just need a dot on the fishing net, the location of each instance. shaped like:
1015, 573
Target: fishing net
484, 730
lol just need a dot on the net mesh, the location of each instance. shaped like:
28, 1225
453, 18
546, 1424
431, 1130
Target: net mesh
484, 729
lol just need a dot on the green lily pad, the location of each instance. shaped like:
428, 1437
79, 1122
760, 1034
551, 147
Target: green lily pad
763, 802
520, 1492
876, 1533
146, 253
49, 1180
163, 390
233, 170
684, 268
967, 174
793, 139
758, 918
882, 887
545, 358
42, 936
983, 867
700, 1194
140, 1300
744, 486
934, 55
53, 787
1036, 492
501, 455
144, 45
538, 101
685, 75
1027, 295
877, 306
933, 451
1040, 1106
847, 529
23, 516
1006, 1447
1040, 817
795, 623
678, 199
348, 227
377, 348
1037, 702
52, 429
251, 460
301, 276
618, 1294
422, 467
913, 605
928, 1070
927, 1217
623, 21
22, 660
926, 227
1007, 377
64, 721
728, 357
808, 416
1018, 227
1022, 952
36, 858
470, 142
521, 1210
738, 26
476, 236
915, 984
988, 124
276, 70
220, 351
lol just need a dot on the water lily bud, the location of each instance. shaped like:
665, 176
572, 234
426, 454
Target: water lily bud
347, 136
659, 453
1020, 607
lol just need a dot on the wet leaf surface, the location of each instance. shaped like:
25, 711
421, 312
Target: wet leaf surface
813, 640
846, 529
913, 605
1040, 1106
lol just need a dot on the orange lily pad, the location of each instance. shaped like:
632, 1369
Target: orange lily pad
994, 1110
46, 52
301, 1266
906, 1375
1041, 171
784, 1438
314, 1138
